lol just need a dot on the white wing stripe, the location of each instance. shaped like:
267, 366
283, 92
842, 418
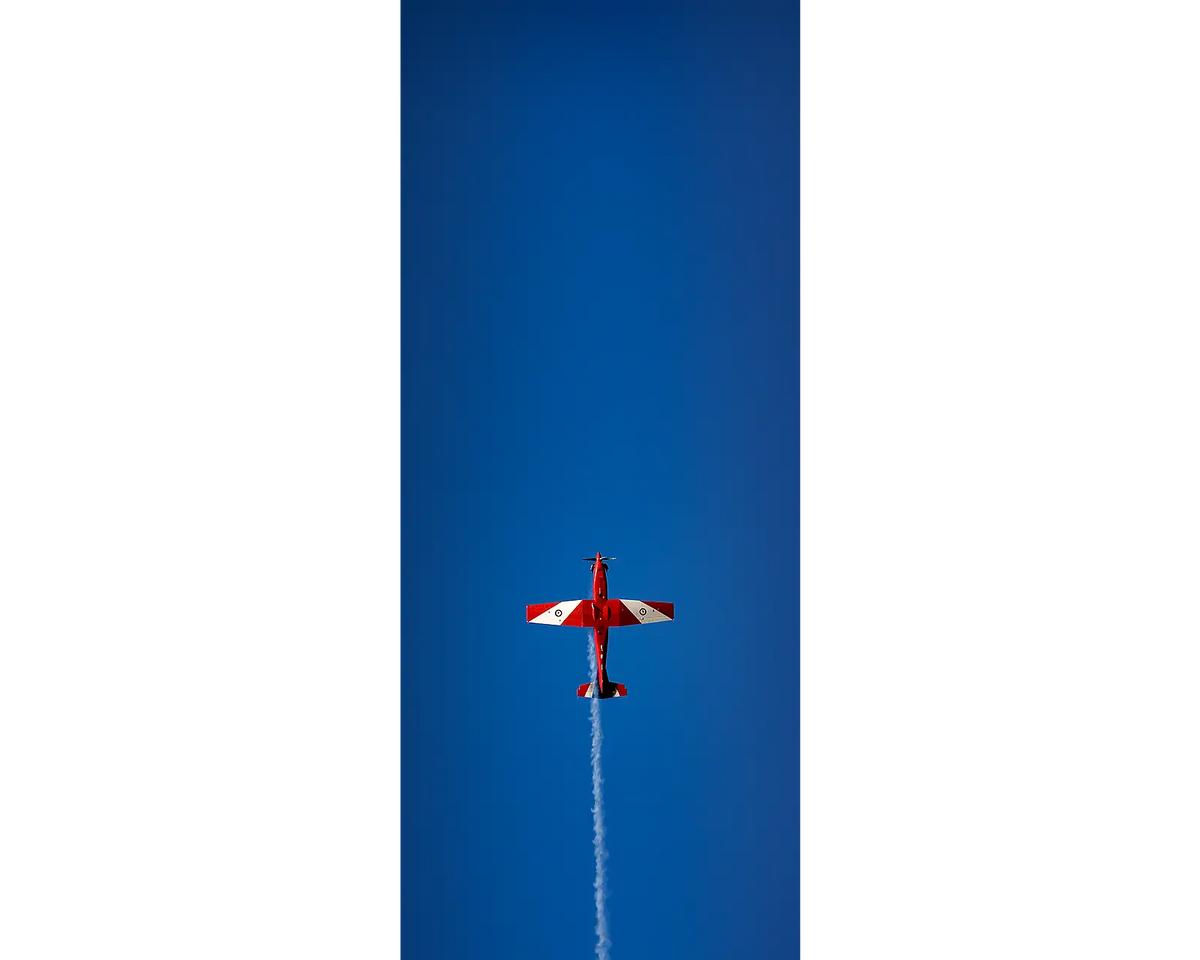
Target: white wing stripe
558, 613
644, 612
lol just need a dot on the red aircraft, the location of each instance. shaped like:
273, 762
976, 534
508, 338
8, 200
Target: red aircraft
600, 613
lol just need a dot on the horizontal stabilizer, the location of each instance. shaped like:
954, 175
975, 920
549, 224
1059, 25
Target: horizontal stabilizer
610, 690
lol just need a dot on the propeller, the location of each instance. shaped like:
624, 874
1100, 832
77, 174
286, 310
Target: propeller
593, 559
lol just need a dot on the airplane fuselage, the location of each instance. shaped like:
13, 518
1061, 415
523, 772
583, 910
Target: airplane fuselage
599, 614
600, 611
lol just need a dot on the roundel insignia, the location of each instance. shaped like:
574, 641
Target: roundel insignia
558, 613
642, 611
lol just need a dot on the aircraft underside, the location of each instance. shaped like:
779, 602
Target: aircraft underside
599, 614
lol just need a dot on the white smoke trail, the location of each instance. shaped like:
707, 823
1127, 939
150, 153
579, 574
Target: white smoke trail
601, 884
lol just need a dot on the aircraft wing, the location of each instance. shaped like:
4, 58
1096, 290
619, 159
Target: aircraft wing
565, 613
629, 613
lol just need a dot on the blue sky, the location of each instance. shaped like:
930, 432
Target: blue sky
600, 352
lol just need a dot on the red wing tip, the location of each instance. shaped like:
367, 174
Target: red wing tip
536, 610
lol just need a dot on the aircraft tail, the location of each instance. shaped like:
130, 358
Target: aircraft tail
610, 690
